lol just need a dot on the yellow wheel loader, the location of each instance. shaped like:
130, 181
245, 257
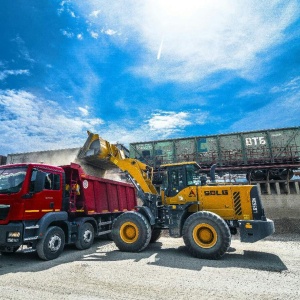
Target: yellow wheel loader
205, 215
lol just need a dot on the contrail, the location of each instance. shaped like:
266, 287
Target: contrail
160, 48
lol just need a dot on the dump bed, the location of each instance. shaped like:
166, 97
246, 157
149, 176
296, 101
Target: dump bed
94, 195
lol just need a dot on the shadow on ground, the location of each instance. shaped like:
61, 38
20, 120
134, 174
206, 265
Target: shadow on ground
154, 254
181, 258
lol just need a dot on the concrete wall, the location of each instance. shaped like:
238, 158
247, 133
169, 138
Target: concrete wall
62, 157
281, 201
55, 157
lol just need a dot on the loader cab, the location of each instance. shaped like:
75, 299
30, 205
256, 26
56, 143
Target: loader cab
179, 176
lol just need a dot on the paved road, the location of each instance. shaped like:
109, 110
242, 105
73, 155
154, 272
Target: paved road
268, 269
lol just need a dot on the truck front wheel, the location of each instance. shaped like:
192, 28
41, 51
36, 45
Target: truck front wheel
52, 244
85, 236
131, 232
206, 235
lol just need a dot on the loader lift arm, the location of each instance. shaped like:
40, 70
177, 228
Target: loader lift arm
100, 153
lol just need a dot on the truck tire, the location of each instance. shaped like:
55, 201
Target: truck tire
52, 244
206, 235
131, 232
86, 236
155, 235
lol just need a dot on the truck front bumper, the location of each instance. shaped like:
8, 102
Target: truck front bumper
11, 235
255, 230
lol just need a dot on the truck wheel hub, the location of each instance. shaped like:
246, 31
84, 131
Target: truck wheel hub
54, 243
87, 236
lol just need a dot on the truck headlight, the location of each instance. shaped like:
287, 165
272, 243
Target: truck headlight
13, 236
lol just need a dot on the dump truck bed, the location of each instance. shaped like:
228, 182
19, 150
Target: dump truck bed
94, 195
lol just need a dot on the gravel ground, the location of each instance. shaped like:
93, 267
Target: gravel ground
268, 269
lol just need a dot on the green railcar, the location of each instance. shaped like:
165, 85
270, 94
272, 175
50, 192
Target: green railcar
262, 154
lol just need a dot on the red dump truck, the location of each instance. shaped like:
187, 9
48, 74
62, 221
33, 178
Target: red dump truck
44, 207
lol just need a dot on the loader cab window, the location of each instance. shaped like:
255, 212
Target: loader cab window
179, 177
193, 175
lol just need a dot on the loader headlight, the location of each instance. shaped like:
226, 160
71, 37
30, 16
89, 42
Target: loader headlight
13, 236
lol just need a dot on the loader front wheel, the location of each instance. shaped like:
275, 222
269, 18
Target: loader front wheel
206, 235
131, 232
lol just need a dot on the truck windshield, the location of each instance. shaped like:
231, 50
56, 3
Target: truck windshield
11, 179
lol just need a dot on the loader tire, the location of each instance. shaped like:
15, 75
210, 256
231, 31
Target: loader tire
52, 244
86, 236
206, 235
131, 232
155, 235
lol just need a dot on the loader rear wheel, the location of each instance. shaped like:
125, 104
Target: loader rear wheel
85, 236
131, 232
206, 235
52, 244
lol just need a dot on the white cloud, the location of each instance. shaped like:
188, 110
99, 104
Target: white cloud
68, 34
109, 31
94, 34
22, 49
95, 13
29, 122
169, 122
64, 6
84, 110
80, 36
199, 37
4, 74
160, 125
292, 85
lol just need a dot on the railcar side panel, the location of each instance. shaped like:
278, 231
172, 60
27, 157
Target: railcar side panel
253, 148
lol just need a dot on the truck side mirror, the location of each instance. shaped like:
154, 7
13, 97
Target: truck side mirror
39, 181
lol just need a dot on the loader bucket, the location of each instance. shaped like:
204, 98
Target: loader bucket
97, 152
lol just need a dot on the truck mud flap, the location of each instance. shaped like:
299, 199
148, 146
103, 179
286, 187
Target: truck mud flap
255, 230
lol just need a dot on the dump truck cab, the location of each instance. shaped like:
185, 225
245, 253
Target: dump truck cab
29, 191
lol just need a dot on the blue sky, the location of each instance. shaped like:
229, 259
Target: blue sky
145, 70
